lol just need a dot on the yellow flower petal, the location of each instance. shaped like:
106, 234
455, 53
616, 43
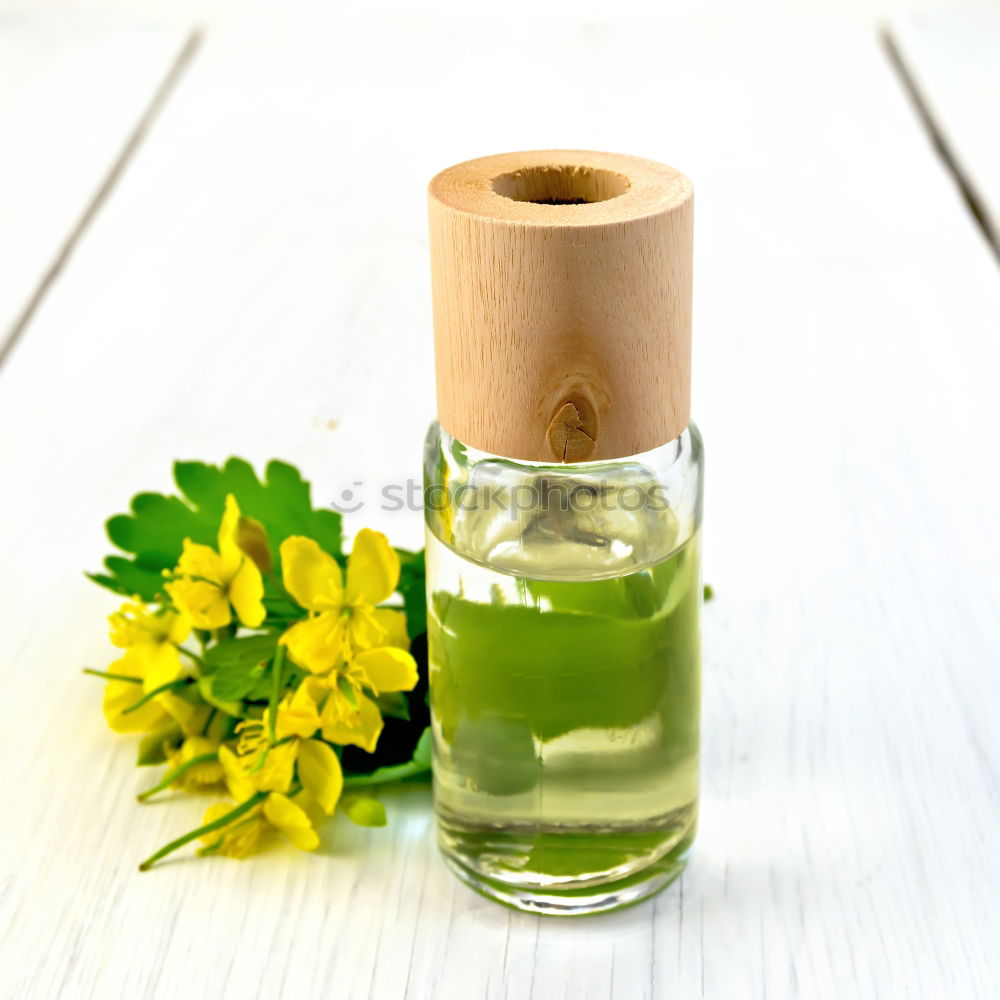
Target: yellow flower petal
163, 664
246, 592
297, 714
242, 838
125, 623
246, 837
133, 623
393, 624
240, 786
178, 626
364, 630
230, 555
311, 575
361, 727
293, 822
388, 669
191, 718
317, 643
215, 811
195, 746
118, 696
310, 807
320, 773
207, 582
204, 603
372, 569
201, 777
200, 561
278, 769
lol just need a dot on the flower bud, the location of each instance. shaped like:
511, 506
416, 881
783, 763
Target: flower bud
252, 540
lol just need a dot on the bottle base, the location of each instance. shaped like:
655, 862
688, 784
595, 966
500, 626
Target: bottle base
567, 873
565, 902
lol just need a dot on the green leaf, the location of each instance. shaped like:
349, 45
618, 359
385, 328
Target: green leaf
152, 534
230, 707
234, 683
246, 652
412, 585
237, 668
202, 484
128, 577
155, 525
424, 749
280, 608
362, 810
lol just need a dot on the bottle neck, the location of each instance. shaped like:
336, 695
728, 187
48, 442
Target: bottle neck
564, 521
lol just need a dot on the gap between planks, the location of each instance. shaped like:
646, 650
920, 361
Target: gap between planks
949, 156
168, 85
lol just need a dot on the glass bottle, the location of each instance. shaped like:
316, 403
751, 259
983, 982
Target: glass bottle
563, 498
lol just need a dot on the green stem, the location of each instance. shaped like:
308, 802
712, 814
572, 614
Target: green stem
169, 686
211, 715
276, 671
171, 776
218, 824
193, 657
112, 677
262, 756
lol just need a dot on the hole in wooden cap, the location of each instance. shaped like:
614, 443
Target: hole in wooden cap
561, 185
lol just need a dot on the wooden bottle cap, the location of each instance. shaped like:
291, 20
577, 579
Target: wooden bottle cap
562, 304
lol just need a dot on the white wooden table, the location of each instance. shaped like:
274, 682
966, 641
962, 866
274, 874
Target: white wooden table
217, 246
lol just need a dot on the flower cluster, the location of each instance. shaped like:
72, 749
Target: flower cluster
252, 676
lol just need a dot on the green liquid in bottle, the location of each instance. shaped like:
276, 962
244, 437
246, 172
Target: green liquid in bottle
566, 718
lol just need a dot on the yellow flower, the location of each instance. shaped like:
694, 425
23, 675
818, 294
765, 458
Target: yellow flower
261, 767
151, 640
120, 695
272, 770
394, 624
134, 623
158, 713
351, 717
318, 772
208, 585
151, 656
207, 776
249, 833
339, 614
348, 714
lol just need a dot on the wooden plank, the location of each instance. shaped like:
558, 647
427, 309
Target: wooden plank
952, 62
262, 271
73, 92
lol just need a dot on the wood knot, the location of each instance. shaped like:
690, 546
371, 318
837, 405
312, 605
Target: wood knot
572, 433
